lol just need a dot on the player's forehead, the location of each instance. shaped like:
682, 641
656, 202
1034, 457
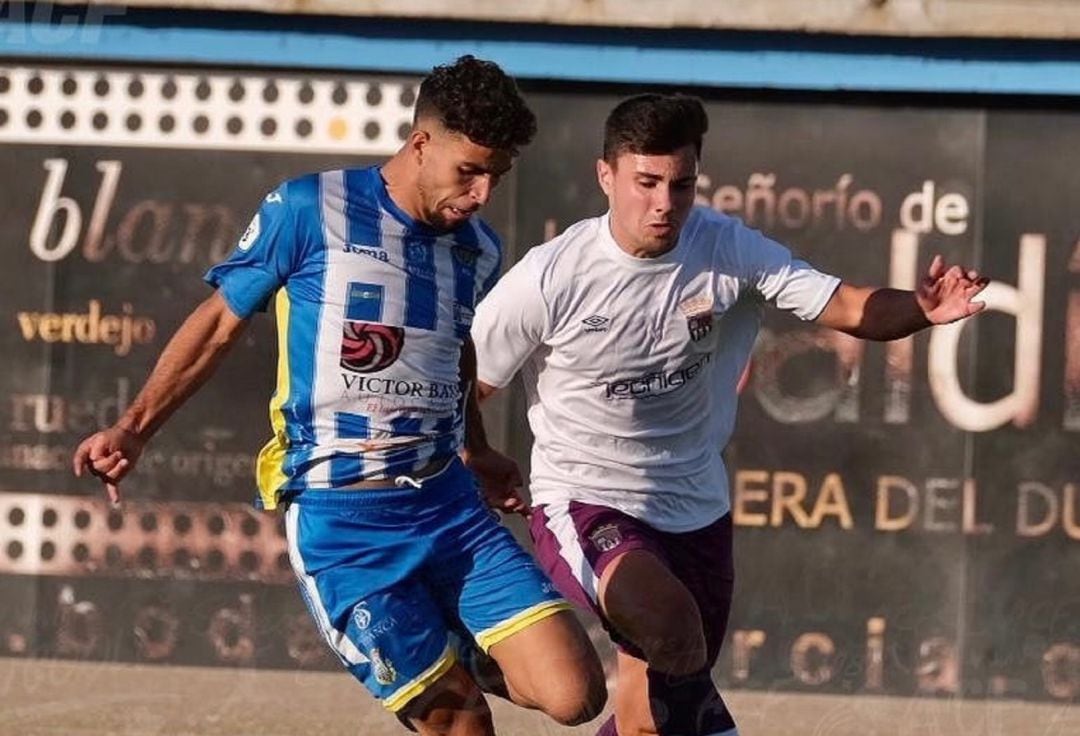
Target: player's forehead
673, 166
465, 152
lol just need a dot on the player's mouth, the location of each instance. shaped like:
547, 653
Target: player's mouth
660, 228
461, 214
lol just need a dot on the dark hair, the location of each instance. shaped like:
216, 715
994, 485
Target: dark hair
479, 100
654, 124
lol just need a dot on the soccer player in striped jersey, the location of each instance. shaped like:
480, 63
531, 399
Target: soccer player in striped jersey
631, 331
374, 274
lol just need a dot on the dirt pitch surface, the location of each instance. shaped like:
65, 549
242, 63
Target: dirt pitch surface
54, 698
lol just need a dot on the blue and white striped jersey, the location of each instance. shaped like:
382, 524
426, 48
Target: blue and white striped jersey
372, 309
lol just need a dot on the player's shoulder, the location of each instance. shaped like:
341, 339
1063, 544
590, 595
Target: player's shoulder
706, 222
566, 250
721, 234
297, 194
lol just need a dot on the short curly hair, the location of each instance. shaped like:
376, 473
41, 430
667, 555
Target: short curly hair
654, 124
479, 100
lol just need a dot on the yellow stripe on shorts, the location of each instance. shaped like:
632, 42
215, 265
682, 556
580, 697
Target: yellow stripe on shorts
406, 693
490, 637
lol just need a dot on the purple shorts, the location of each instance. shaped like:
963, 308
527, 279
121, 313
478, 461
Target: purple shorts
576, 541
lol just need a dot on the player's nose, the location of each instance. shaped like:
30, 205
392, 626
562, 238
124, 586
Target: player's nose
481, 190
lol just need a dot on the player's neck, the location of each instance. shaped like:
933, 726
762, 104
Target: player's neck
401, 187
634, 248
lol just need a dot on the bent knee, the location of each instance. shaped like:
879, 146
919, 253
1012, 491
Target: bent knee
576, 711
453, 704
572, 701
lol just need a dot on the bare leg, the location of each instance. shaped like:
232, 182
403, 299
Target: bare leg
551, 666
452, 706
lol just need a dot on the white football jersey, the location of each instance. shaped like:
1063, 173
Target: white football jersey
631, 364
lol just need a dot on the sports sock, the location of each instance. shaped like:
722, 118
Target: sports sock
688, 705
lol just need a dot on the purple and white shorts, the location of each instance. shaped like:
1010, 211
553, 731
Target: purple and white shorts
576, 541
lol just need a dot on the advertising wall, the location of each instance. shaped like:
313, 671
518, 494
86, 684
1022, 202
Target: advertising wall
907, 514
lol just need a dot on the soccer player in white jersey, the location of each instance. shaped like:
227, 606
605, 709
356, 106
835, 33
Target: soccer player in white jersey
375, 273
631, 331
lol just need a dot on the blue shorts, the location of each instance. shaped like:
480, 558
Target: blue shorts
389, 573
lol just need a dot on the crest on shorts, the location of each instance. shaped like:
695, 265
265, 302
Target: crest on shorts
385, 674
606, 537
361, 616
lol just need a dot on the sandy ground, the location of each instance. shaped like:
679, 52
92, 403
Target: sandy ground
54, 698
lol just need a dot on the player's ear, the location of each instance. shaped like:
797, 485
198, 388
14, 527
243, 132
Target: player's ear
416, 142
605, 175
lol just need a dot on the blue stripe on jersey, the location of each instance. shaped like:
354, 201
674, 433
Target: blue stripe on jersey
445, 424
401, 462
464, 253
489, 282
352, 426
363, 216
421, 292
447, 444
306, 303
402, 426
345, 468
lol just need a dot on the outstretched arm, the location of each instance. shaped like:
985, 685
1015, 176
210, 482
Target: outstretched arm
190, 357
945, 295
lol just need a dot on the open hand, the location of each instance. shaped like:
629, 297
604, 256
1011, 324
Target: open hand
945, 294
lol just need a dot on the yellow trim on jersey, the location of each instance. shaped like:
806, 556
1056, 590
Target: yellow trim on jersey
269, 467
490, 637
406, 693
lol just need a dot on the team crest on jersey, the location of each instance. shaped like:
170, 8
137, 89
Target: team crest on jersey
606, 537
463, 314
465, 255
699, 316
419, 260
385, 674
368, 347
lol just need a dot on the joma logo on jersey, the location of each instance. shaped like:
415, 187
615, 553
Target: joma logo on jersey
377, 253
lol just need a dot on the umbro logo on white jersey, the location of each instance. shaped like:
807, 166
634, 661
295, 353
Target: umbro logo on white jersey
596, 323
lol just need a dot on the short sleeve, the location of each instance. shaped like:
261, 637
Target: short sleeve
510, 324
791, 284
263, 259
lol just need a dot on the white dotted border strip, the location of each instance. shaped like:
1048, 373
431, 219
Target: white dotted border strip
211, 110
80, 536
